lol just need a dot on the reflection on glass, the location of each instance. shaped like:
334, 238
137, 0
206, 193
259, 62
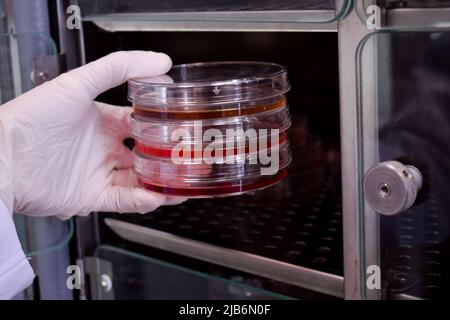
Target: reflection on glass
414, 128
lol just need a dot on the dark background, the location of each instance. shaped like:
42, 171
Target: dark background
311, 60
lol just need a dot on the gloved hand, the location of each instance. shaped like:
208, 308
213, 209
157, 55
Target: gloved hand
61, 153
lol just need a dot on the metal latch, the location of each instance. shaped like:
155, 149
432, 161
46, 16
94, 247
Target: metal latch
48, 67
391, 187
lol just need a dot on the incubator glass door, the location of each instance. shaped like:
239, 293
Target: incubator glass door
404, 168
122, 274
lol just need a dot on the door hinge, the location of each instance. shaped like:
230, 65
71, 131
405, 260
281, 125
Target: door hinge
97, 279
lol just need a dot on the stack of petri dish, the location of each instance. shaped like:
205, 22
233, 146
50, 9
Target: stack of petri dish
211, 129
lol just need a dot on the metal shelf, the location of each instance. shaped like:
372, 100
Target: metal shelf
284, 272
288, 20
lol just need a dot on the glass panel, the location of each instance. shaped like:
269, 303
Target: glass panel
407, 14
135, 276
17, 52
321, 11
404, 105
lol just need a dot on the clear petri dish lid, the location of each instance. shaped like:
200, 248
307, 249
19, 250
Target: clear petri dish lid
158, 132
211, 85
244, 146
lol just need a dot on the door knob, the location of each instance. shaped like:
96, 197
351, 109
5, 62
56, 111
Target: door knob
391, 187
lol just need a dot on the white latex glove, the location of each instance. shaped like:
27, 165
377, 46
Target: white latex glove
61, 153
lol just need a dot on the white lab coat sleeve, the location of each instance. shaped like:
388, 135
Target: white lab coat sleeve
15, 271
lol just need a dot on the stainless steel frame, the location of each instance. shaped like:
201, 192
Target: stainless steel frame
291, 274
350, 32
69, 43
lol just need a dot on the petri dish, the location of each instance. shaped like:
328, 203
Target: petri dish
201, 180
224, 189
160, 135
159, 149
210, 91
205, 102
